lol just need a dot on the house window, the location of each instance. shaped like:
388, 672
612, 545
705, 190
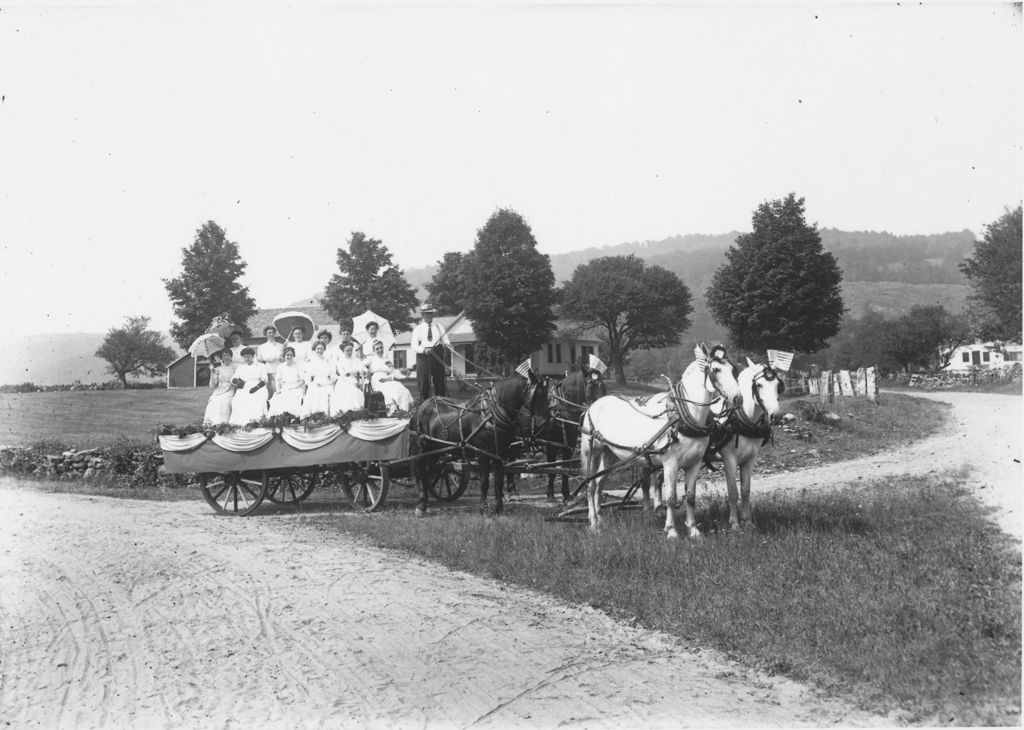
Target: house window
1012, 356
399, 358
986, 356
558, 353
468, 354
572, 353
966, 356
551, 352
585, 351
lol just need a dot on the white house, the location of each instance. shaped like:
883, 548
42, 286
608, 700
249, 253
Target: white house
552, 359
985, 355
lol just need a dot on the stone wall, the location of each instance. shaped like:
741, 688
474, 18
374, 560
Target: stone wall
973, 378
120, 464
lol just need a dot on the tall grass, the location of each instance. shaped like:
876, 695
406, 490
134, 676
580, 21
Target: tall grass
900, 595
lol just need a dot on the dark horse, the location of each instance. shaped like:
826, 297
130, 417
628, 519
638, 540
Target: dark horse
483, 428
568, 399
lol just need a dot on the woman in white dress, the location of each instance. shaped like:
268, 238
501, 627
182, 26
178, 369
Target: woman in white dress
344, 338
250, 401
297, 342
320, 377
218, 407
384, 379
269, 353
348, 391
291, 386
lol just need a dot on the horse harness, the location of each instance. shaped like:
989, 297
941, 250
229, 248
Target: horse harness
491, 410
736, 423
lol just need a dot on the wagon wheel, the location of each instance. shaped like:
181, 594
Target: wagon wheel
366, 485
236, 493
446, 484
292, 487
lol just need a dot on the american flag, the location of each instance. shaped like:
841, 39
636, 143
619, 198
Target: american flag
524, 368
596, 364
701, 358
780, 360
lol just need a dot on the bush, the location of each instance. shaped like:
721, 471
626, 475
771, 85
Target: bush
811, 411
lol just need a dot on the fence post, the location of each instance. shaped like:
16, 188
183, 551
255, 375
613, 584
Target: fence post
825, 388
871, 384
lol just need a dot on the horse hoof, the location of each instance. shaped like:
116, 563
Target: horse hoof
672, 534
695, 534
735, 527
420, 512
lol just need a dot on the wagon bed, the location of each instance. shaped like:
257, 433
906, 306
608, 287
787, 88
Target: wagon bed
238, 470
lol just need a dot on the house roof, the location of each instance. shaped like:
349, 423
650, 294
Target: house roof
263, 317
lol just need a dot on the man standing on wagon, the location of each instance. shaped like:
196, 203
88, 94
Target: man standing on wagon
428, 343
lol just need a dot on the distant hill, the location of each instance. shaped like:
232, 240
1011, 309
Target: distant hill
53, 359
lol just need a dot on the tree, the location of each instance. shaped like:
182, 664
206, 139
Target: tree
208, 285
637, 306
447, 290
134, 349
509, 290
994, 273
779, 287
924, 337
368, 279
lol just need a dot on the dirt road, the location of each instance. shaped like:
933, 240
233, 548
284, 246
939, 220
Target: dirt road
116, 614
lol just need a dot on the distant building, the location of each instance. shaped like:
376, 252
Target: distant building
984, 355
188, 372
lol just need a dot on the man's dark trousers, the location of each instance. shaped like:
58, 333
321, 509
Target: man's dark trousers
430, 367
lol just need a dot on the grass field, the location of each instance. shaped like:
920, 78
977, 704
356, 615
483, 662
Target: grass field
88, 418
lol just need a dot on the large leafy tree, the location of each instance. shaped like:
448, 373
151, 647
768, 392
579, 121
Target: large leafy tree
134, 349
208, 286
368, 279
636, 305
924, 337
447, 290
994, 273
779, 288
510, 290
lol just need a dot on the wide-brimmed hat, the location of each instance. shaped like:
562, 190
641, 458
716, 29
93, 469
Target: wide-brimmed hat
428, 309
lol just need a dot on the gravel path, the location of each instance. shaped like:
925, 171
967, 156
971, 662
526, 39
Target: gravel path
116, 613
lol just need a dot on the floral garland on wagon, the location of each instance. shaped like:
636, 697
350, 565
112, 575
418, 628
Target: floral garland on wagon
275, 423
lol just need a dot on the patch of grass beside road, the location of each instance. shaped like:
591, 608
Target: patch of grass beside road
89, 418
900, 596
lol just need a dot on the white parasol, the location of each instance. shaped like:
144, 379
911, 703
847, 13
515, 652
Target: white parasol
385, 334
288, 321
206, 345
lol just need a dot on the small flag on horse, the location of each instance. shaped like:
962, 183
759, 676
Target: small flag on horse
596, 364
524, 368
700, 357
780, 360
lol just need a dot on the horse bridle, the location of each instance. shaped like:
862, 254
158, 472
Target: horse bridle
767, 374
709, 375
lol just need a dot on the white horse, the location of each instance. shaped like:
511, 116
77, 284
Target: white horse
670, 429
745, 431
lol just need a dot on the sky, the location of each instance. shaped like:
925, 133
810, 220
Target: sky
124, 128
